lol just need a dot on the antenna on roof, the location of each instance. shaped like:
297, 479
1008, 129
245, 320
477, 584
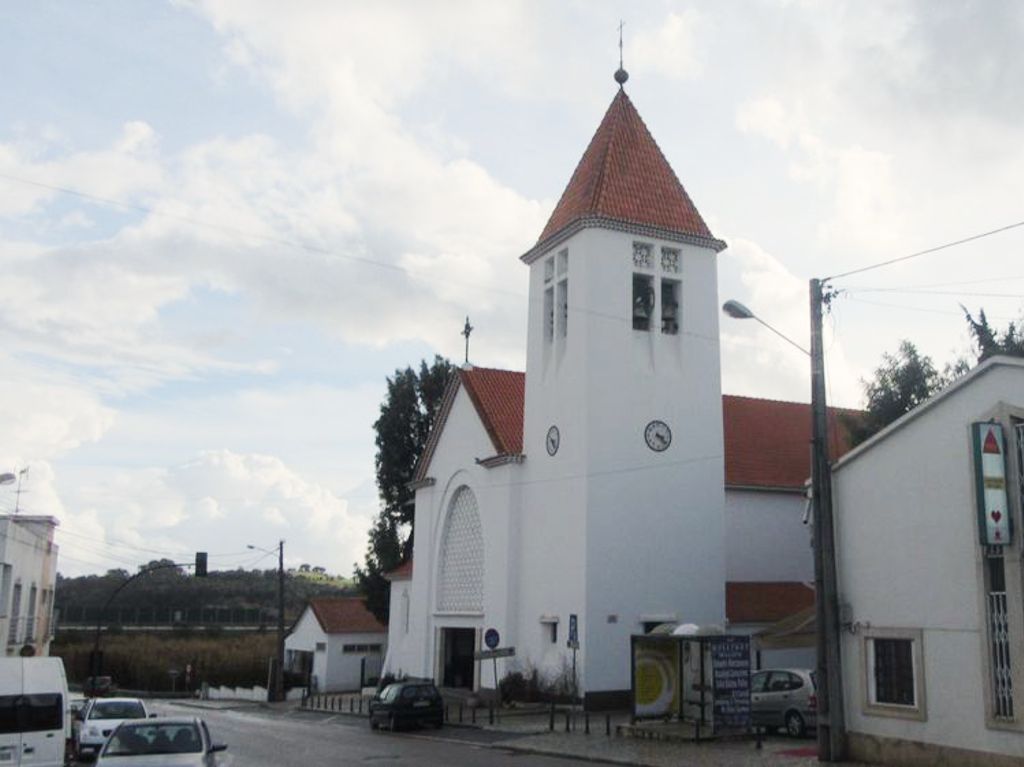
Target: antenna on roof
621, 75
466, 330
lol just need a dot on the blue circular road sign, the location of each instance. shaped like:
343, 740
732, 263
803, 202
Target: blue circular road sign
491, 638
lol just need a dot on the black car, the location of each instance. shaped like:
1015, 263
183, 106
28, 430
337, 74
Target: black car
405, 703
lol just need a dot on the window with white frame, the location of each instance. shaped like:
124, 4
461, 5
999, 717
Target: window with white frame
549, 300
12, 632
355, 649
894, 675
670, 308
643, 301
549, 624
549, 314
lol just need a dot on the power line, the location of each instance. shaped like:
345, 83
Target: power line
925, 252
911, 291
947, 312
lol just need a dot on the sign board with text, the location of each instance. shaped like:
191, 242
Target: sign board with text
730, 667
989, 447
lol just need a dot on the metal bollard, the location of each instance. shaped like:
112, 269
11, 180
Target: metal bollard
490, 715
351, 705
551, 719
472, 715
586, 722
758, 732
460, 713
360, 704
607, 724
567, 714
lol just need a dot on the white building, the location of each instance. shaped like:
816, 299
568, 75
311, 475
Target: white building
28, 557
933, 646
338, 643
594, 490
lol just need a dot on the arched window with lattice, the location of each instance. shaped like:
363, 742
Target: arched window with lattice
461, 574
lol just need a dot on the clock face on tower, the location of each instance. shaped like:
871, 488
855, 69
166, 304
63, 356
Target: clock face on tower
658, 436
552, 441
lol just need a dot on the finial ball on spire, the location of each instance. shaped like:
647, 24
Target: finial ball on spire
621, 75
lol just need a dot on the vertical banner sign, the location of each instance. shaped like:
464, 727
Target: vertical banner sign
990, 482
656, 681
730, 664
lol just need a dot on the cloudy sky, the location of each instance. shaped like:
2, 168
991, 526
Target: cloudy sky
223, 223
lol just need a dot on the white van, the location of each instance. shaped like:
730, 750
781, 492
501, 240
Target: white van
34, 726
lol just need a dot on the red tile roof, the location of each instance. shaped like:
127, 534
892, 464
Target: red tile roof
624, 176
401, 573
345, 615
753, 602
768, 442
498, 397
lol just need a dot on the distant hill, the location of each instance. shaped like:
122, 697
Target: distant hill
173, 596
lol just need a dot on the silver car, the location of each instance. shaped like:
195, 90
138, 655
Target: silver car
161, 743
784, 698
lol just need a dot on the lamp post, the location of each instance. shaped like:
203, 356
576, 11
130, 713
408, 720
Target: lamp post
276, 692
831, 727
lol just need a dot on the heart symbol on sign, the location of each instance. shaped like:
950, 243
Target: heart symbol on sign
996, 516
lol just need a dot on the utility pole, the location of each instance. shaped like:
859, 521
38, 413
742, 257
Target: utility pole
831, 715
279, 675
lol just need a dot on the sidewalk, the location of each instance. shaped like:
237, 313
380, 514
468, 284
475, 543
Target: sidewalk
529, 732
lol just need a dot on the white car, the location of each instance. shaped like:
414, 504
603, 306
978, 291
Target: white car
178, 742
101, 717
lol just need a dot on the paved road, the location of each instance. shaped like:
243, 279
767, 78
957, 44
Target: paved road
258, 738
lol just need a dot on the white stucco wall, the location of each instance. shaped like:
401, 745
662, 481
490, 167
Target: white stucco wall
304, 638
334, 669
909, 558
635, 533
453, 466
401, 646
29, 558
765, 537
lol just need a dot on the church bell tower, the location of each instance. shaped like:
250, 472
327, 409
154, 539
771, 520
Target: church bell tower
623, 404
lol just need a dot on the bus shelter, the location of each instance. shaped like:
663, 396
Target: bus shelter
694, 676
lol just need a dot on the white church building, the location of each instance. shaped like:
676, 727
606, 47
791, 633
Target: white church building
611, 487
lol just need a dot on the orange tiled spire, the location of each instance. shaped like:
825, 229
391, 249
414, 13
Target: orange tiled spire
623, 177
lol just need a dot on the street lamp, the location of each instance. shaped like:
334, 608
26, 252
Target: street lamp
831, 727
277, 689
738, 311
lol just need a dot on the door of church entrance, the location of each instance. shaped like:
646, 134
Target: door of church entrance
457, 664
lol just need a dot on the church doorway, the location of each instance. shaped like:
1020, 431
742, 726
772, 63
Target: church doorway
457, 664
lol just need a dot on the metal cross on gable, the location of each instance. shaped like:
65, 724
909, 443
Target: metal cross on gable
466, 330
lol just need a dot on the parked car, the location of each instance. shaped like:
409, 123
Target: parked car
784, 698
183, 742
101, 717
409, 702
33, 712
98, 686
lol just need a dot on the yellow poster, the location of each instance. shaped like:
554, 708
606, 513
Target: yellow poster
656, 687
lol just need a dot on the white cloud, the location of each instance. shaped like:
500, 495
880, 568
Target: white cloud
672, 48
216, 502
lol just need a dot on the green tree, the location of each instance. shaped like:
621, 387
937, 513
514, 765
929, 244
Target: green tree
988, 341
902, 382
406, 417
